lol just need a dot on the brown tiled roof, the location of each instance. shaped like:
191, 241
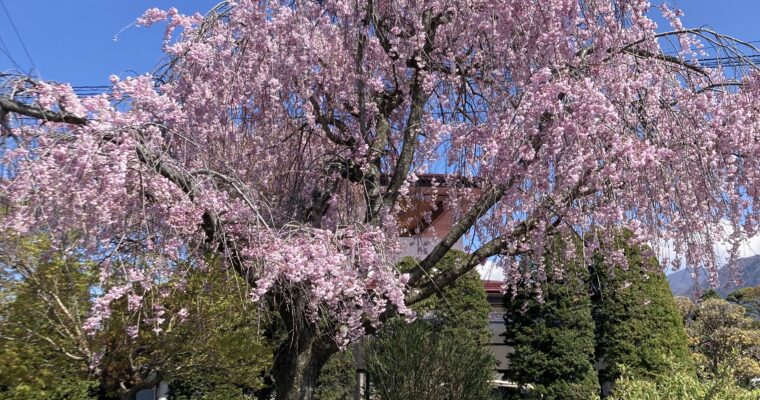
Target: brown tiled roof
492, 286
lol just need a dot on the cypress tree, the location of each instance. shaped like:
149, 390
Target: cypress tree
638, 324
553, 340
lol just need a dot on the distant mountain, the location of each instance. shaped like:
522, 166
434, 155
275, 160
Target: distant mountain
748, 270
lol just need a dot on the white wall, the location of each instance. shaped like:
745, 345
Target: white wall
420, 247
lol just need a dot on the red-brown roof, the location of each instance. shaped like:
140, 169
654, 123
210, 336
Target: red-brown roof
492, 286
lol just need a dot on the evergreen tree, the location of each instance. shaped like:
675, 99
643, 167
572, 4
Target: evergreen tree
638, 325
461, 307
749, 298
553, 340
220, 352
710, 294
725, 340
34, 359
338, 377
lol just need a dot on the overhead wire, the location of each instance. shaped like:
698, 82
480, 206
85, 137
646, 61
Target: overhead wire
20, 39
4, 49
709, 62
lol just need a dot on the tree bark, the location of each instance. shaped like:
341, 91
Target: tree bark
297, 365
303, 352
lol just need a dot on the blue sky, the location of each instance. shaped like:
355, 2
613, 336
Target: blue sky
73, 41
731, 17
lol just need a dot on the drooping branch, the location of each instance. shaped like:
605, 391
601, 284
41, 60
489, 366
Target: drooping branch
210, 223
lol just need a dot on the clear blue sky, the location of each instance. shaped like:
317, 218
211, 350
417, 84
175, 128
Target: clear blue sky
72, 41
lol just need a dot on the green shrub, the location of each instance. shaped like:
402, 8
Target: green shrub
421, 362
681, 386
442, 355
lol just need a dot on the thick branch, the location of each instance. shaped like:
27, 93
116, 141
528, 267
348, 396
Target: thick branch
418, 98
463, 266
413, 126
327, 119
486, 201
425, 285
20, 108
359, 68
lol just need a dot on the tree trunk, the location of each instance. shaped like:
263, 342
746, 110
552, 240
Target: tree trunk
301, 356
297, 365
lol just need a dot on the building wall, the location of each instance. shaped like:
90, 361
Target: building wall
419, 247
497, 325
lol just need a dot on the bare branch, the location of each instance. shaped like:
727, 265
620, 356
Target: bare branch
11, 105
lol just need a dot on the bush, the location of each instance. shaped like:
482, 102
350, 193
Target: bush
681, 386
444, 354
419, 361
723, 335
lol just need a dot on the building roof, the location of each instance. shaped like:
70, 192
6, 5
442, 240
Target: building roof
493, 286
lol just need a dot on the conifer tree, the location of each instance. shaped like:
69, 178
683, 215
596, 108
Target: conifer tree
638, 325
553, 341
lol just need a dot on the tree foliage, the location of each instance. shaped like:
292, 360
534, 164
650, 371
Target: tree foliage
45, 351
553, 338
41, 354
338, 378
452, 330
417, 361
681, 385
221, 351
442, 355
639, 329
461, 307
749, 298
710, 294
724, 338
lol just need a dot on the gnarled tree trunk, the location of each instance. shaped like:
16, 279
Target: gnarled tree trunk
300, 358
296, 370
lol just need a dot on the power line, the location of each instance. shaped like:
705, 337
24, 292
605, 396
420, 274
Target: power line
18, 35
708, 62
4, 50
